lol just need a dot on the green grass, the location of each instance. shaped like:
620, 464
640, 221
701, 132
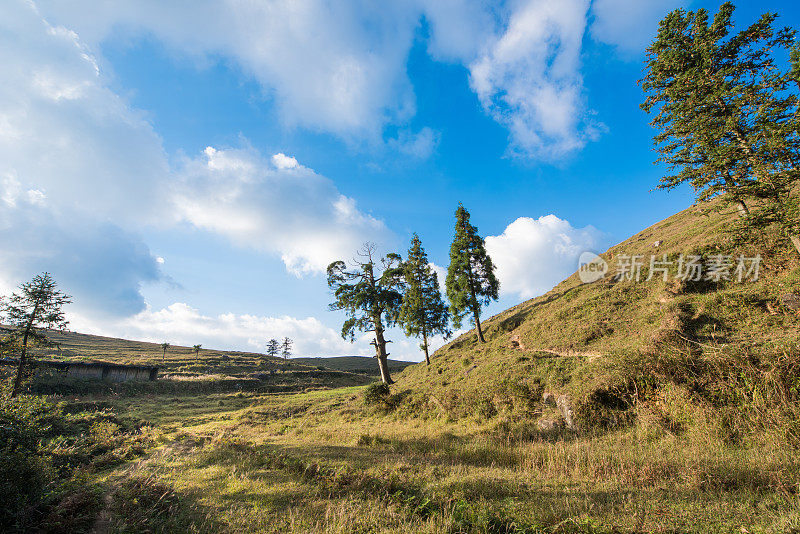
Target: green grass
326, 462
684, 399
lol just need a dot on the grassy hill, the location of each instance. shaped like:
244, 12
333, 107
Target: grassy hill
353, 364
610, 345
610, 407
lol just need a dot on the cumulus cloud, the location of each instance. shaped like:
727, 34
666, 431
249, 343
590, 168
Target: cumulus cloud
98, 263
181, 324
333, 66
276, 206
341, 67
629, 24
73, 155
533, 255
529, 78
63, 133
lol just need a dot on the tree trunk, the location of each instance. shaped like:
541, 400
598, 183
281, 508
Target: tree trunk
478, 326
425, 346
744, 211
381, 354
475, 308
22, 358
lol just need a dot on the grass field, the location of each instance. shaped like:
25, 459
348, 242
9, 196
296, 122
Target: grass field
604, 407
326, 462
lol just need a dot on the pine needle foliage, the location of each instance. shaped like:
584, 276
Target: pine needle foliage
273, 347
727, 112
471, 283
370, 295
286, 348
36, 307
422, 313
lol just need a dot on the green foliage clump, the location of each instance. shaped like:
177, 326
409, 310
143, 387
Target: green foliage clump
728, 114
375, 394
25, 474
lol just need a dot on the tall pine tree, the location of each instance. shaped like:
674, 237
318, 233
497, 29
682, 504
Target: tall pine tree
471, 283
727, 113
422, 313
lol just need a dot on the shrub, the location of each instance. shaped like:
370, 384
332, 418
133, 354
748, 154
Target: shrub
376, 394
24, 472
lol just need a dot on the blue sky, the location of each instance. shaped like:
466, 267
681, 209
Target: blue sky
186, 170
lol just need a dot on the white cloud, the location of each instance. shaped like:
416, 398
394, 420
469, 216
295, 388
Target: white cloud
63, 134
529, 78
98, 263
533, 255
418, 145
629, 24
282, 161
181, 324
333, 66
74, 156
441, 274
341, 67
282, 208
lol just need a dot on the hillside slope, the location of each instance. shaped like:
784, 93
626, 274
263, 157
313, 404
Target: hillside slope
353, 364
608, 345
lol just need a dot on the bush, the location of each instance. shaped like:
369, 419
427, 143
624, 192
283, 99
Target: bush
376, 394
24, 472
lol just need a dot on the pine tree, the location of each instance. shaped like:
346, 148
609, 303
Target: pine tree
164, 347
422, 313
726, 112
273, 347
471, 283
196, 349
36, 307
286, 348
370, 299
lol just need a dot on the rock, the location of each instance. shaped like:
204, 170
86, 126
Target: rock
564, 405
657, 244
516, 343
546, 423
548, 399
791, 301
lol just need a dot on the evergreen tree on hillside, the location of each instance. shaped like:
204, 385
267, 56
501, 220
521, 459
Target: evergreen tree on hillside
371, 299
196, 349
36, 307
422, 313
164, 347
471, 283
286, 348
273, 347
727, 113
